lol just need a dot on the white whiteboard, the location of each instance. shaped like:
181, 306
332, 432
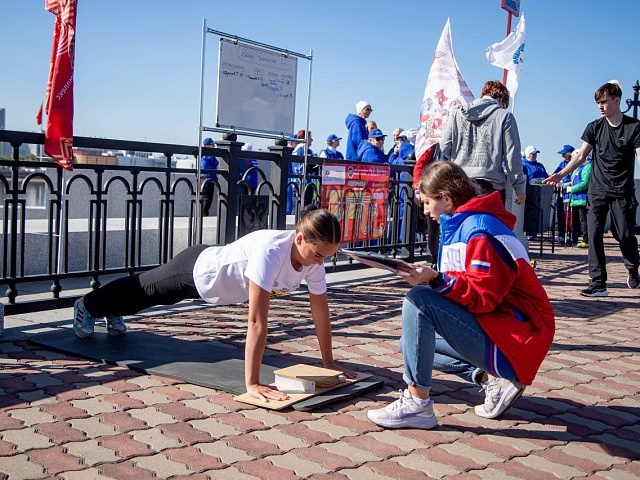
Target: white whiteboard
256, 89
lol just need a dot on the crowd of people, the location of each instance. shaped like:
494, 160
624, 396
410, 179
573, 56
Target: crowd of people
482, 137
593, 182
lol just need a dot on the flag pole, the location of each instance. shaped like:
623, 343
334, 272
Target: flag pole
509, 16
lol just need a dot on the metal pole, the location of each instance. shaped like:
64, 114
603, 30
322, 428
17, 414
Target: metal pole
306, 135
61, 236
634, 103
198, 236
504, 75
237, 39
636, 91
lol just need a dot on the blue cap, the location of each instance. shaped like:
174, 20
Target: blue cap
376, 133
566, 149
333, 137
208, 141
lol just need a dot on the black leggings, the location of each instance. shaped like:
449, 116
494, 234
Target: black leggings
164, 285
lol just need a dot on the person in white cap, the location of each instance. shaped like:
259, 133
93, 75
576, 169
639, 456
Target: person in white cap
535, 173
357, 126
614, 140
534, 170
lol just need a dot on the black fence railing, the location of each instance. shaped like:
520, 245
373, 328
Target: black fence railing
129, 217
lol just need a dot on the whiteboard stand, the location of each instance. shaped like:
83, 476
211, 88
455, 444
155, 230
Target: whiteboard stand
256, 95
306, 133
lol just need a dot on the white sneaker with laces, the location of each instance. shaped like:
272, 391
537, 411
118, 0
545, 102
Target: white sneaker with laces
116, 326
83, 321
500, 394
404, 413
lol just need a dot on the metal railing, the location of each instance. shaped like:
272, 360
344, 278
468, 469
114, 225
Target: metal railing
124, 219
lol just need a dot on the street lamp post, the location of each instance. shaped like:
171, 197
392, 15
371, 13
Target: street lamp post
634, 103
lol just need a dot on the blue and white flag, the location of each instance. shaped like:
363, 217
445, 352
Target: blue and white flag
508, 54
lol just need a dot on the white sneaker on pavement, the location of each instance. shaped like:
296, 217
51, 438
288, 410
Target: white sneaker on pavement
500, 394
404, 413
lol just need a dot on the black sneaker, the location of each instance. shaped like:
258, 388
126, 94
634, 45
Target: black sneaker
632, 280
592, 291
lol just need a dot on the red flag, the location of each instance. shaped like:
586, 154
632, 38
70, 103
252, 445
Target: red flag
39, 115
59, 99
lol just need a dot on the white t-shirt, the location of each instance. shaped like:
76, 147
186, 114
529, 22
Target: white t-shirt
222, 274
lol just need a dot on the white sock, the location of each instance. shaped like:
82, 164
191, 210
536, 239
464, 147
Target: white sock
420, 401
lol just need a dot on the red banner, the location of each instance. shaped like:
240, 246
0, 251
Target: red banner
59, 98
39, 114
357, 193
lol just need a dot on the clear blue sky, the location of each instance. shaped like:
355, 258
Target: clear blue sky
138, 62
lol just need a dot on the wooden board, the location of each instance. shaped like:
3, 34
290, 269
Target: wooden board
297, 397
307, 372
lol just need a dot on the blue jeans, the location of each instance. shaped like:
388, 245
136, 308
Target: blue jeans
440, 333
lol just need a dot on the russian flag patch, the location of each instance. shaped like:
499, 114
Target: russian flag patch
479, 265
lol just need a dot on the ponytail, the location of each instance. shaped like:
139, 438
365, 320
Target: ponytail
318, 225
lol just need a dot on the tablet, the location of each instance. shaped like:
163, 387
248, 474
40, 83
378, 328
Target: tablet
376, 260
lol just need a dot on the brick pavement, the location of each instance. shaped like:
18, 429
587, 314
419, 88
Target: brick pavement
62, 417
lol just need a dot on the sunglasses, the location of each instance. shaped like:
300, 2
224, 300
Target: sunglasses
369, 109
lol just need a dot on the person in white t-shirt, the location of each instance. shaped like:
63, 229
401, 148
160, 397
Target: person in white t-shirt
250, 269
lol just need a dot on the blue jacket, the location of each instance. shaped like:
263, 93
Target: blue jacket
209, 163
329, 154
297, 168
534, 170
244, 165
485, 269
357, 127
403, 153
368, 153
566, 180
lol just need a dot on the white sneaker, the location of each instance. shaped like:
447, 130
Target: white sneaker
116, 326
500, 394
404, 413
83, 321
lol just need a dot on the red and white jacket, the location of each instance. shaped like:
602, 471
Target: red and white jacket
486, 269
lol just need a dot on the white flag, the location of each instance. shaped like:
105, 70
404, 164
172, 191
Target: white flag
445, 91
508, 54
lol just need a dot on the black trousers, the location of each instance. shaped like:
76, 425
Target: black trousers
164, 285
623, 224
579, 224
561, 214
207, 188
433, 238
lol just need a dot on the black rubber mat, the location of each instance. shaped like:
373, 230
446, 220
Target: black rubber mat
208, 364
